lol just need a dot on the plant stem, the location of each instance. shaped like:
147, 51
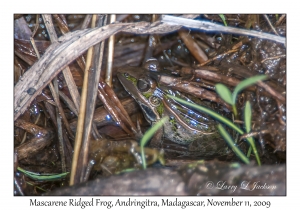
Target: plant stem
232, 145
147, 136
252, 143
234, 110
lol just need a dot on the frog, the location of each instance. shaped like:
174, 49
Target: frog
186, 128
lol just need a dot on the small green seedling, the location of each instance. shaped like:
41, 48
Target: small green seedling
230, 124
147, 136
232, 144
229, 97
223, 19
247, 121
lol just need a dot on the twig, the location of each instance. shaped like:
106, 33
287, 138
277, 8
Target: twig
60, 109
38, 56
81, 116
270, 24
100, 114
59, 125
110, 56
280, 113
65, 29
91, 99
118, 117
152, 42
252, 134
43, 138
36, 26
67, 72
271, 58
80, 61
216, 77
68, 102
63, 140
61, 24
272, 92
280, 20
122, 112
122, 17
186, 87
86, 21
51, 111
54, 91
70, 46
193, 47
217, 57
208, 26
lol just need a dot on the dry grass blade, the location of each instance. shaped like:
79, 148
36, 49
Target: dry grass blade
153, 40
59, 109
110, 56
86, 21
36, 26
101, 113
93, 81
270, 24
67, 74
74, 178
68, 102
216, 77
123, 113
55, 59
110, 105
60, 112
63, 26
272, 92
208, 26
217, 57
69, 47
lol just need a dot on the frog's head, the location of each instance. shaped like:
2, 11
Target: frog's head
138, 83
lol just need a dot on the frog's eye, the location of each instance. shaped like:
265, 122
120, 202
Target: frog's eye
142, 85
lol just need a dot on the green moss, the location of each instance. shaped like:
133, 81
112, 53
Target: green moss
147, 94
132, 79
160, 109
173, 124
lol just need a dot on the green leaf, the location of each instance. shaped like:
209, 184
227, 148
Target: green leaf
246, 83
221, 119
211, 113
252, 144
43, 177
224, 93
147, 136
247, 121
127, 170
223, 19
232, 144
247, 116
